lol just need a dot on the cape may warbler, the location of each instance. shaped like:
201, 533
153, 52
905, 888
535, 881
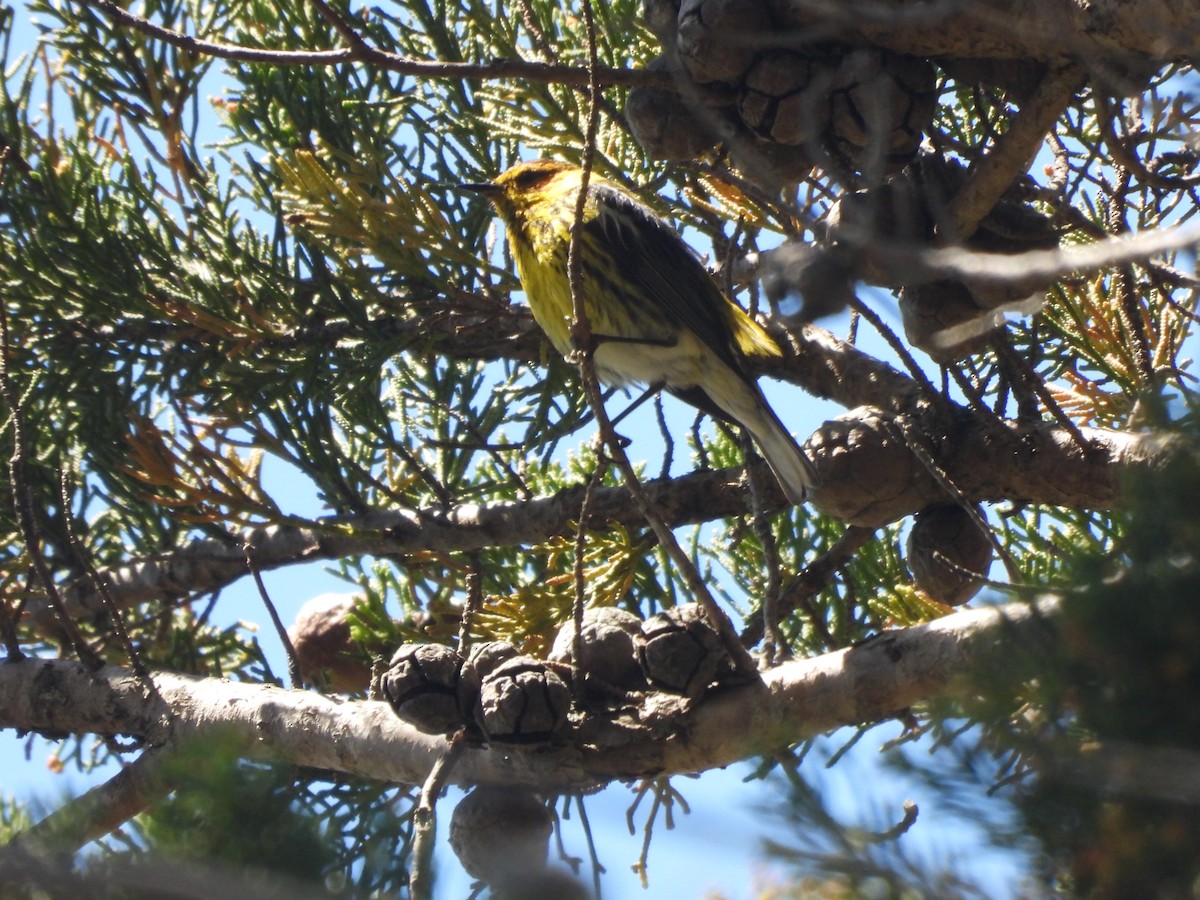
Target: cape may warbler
657, 315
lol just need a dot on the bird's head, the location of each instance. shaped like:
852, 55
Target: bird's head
526, 184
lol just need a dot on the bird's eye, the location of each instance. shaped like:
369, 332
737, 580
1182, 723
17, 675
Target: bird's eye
533, 178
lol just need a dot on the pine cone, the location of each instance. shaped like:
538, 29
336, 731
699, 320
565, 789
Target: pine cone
880, 105
668, 128
501, 835
610, 651
945, 547
681, 652
421, 685
482, 660
866, 474
848, 109
523, 701
718, 39
785, 97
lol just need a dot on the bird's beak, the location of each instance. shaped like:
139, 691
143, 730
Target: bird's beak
481, 187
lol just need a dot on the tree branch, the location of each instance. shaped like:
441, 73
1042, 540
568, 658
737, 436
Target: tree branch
1100, 32
546, 73
865, 683
991, 175
101, 810
868, 475
1044, 465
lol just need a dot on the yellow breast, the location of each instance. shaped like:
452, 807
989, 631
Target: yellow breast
542, 268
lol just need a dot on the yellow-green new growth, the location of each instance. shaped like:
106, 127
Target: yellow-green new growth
658, 317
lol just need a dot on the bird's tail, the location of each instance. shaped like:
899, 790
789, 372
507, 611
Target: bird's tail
791, 467
742, 401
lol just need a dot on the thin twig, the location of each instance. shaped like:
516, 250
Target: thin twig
536, 33
687, 569
585, 344
642, 866
597, 867
974, 396
584, 340
101, 587
660, 417
581, 330
420, 879
9, 616
775, 646
841, 751
914, 370
812, 578
577, 571
585, 351
474, 601
23, 511
294, 673
1125, 156
897, 830
1032, 380
1012, 370
349, 33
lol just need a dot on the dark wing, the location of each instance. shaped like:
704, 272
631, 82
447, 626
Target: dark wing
655, 259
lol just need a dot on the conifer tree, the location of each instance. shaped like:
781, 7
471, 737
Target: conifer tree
235, 253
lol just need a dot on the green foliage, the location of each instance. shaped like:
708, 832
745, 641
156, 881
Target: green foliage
1045, 541
14, 818
272, 826
1133, 624
1132, 681
1080, 730
245, 816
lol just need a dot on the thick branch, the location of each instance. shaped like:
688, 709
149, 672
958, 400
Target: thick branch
866, 683
821, 363
1092, 31
207, 565
833, 369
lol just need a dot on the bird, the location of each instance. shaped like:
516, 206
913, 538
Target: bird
656, 315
